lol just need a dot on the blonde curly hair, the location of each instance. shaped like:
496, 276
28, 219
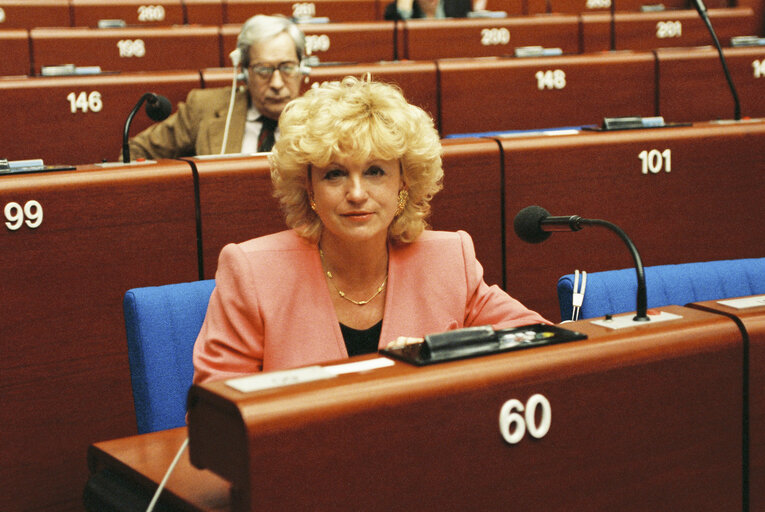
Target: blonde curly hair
363, 120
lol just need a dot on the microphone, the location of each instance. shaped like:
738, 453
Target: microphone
702, 10
157, 108
534, 224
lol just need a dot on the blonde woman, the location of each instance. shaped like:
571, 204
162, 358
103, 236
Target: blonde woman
355, 169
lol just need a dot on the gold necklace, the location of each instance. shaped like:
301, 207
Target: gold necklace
342, 293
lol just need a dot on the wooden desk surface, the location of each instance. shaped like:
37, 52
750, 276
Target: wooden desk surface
753, 321
145, 459
642, 419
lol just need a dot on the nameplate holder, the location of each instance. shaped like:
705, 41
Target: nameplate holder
479, 341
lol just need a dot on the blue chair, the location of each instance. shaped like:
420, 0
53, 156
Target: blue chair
162, 323
614, 291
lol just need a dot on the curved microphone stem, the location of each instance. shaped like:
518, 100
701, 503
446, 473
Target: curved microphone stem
125, 145
642, 297
702, 10
612, 10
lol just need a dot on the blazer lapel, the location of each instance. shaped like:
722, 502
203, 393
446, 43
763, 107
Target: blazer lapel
217, 126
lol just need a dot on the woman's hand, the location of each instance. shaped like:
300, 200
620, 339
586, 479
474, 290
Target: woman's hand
403, 341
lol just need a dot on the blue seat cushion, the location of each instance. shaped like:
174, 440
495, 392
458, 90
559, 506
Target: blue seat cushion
162, 324
614, 291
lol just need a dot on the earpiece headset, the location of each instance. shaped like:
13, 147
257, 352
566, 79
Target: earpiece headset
240, 74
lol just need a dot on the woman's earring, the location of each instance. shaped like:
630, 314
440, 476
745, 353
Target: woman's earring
313, 204
403, 197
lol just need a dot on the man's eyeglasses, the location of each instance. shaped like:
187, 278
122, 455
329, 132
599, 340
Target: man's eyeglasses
288, 69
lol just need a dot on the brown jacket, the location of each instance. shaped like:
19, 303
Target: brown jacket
196, 128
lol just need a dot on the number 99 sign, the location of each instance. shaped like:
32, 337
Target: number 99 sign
16, 216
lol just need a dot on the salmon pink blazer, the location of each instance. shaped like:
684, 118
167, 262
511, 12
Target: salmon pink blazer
271, 308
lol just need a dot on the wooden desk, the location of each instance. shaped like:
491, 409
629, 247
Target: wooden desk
650, 30
486, 37
35, 13
204, 12
644, 418
128, 49
348, 42
236, 203
631, 428
752, 321
237, 11
136, 465
80, 119
585, 6
692, 86
521, 94
87, 13
14, 47
707, 207
86, 237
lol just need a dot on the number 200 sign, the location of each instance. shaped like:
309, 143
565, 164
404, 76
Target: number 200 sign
515, 419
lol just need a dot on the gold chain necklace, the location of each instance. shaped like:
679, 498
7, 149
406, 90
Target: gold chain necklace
342, 293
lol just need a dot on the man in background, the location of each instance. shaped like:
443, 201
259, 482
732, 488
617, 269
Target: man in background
269, 52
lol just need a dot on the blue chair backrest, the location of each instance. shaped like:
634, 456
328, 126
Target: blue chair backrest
614, 291
162, 324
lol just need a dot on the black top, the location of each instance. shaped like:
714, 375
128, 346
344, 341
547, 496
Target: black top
452, 9
359, 342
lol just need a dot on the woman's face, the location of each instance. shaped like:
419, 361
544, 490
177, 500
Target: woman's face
356, 200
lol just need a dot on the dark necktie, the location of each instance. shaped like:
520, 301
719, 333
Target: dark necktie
266, 137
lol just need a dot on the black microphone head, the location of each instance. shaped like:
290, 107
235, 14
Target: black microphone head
528, 225
158, 107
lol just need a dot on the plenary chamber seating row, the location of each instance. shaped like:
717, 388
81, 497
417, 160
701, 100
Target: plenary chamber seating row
88, 13
656, 382
200, 46
80, 120
75, 241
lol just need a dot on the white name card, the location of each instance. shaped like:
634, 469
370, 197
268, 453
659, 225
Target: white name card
745, 302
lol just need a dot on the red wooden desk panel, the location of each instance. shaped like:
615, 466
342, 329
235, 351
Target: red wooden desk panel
416, 79
237, 11
335, 42
350, 42
87, 13
650, 30
34, 13
519, 94
204, 12
758, 7
236, 203
708, 207
14, 47
692, 86
582, 6
644, 419
753, 321
78, 120
439, 39
64, 375
128, 49
471, 200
